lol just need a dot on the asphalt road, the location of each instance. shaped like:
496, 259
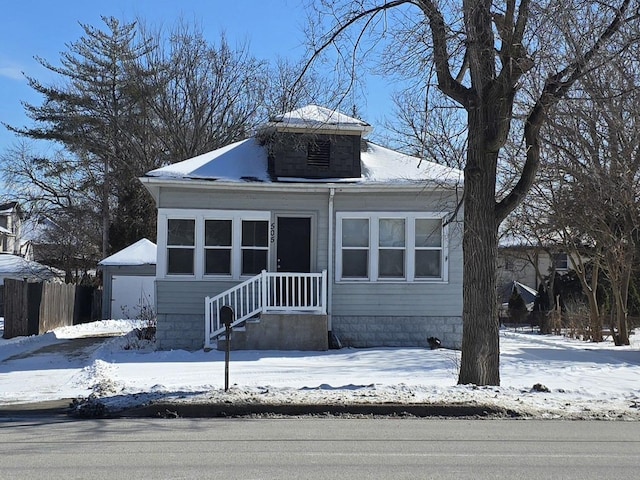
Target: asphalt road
317, 448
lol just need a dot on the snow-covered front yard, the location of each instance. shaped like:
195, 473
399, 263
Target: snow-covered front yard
585, 380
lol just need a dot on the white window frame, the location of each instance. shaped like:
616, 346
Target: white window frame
200, 216
410, 248
180, 247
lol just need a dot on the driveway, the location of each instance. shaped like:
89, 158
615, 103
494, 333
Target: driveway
80, 348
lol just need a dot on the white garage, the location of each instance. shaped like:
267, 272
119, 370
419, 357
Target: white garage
132, 295
128, 279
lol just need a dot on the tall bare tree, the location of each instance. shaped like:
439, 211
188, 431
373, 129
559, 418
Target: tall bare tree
505, 63
594, 148
205, 95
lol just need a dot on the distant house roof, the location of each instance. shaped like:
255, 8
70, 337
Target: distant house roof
13, 266
246, 161
143, 252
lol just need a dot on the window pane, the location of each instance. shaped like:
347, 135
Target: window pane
391, 232
428, 264
255, 233
217, 233
428, 233
180, 261
355, 232
181, 232
217, 262
253, 261
391, 263
561, 261
354, 263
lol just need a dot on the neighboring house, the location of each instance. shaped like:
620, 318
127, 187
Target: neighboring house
10, 228
18, 268
128, 281
315, 230
529, 265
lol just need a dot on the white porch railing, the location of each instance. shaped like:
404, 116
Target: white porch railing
267, 292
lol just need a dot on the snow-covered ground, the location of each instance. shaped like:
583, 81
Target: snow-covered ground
585, 380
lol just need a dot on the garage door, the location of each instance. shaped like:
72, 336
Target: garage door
132, 296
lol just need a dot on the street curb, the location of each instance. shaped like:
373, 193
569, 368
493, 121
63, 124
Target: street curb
226, 410
45, 408
230, 410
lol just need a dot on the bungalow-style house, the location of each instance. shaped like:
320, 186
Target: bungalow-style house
308, 232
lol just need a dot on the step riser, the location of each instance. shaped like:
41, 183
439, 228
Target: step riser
281, 332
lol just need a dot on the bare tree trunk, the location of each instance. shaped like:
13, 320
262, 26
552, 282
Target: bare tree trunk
620, 292
105, 210
480, 339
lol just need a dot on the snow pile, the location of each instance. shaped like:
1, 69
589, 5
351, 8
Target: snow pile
542, 376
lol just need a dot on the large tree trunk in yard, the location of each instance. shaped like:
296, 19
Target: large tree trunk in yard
480, 338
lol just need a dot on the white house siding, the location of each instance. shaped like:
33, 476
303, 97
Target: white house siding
363, 314
180, 302
180, 307
367, 314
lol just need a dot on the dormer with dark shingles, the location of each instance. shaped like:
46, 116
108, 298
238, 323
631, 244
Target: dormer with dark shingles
314, 143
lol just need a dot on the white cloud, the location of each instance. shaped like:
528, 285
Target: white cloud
14, 73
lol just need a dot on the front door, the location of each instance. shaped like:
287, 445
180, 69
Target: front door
294, 244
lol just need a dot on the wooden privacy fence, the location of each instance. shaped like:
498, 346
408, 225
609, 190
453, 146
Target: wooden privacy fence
36, 308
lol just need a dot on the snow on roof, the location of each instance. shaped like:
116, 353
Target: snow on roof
13, 266
314, 116
143, 252
240, 161
6, 231
247, 161
383, 165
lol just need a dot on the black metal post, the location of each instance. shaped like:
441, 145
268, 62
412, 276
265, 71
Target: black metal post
227, 316
226, 356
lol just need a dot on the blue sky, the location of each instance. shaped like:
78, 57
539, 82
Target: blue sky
42, 28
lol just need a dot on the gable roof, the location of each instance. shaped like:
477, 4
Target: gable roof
246, 161
143, 252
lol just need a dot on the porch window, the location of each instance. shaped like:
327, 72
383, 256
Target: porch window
390, 247
180, 246
217, 247
255, 246
213, 244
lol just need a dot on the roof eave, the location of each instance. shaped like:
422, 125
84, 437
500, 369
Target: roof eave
153, 184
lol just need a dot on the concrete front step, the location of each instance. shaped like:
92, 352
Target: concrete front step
281, 331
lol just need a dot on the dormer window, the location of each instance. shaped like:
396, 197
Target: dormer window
318, 153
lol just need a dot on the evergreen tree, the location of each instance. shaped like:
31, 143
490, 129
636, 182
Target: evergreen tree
94, 113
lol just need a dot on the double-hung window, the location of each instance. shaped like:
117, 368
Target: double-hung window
391, 248
181, 238
255, 246
217, 247
381, 247
428, 248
